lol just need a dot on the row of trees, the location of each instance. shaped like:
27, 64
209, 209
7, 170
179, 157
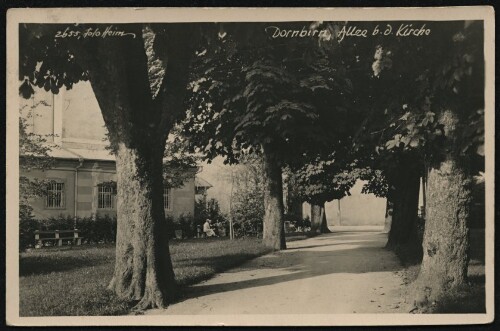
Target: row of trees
385, 109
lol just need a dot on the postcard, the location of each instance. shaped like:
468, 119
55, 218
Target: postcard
250, 166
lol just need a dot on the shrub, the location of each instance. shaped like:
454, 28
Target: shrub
248, 198
186, 223
189, 225
221, 228
59, 223
300, 224
248, 211
210, 209
204, 209
247, 228
102, 229
27, 228
170, 220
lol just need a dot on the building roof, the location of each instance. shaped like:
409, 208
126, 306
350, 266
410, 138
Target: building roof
92, 154
200, 182
95, 154
60, 152
57, 151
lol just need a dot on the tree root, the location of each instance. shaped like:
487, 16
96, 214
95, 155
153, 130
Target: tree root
156, 300
425, 295
150, 302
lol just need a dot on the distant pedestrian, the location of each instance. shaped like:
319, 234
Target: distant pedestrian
208, 230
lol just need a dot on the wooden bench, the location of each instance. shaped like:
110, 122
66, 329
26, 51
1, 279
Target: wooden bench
58, 236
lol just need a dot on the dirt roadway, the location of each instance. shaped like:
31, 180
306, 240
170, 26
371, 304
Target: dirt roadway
342, 272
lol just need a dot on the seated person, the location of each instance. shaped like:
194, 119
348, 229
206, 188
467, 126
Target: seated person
207, 230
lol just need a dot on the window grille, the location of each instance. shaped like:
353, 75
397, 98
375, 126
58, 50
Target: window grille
167, 198
106, 197
55, 195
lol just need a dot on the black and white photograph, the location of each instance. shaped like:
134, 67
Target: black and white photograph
265, 166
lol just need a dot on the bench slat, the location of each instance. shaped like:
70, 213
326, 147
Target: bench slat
61, 238
57, 231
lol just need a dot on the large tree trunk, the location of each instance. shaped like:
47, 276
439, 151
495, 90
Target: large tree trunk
404, 195
274, 227
143, 269
318, 219
445, 242
324, 223
138, 125
315, 218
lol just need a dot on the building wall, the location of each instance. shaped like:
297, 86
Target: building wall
356, 209
38, 204
220, 176
90, 175
81, 119
72, 119
38, 113
183, 199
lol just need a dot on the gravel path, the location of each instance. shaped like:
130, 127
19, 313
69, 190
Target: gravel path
337, 273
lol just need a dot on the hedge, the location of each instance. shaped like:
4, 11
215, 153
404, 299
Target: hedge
102, 229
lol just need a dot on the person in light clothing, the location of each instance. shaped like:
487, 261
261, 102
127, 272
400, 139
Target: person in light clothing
207, 230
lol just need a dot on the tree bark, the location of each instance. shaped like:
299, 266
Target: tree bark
143, 268
324, 223
404, 195
445, 244
138, 124
274, 227
315, 218
318, 219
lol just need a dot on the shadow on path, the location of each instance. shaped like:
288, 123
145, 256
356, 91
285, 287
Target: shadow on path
335, 253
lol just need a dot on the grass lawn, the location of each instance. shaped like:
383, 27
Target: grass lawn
72, 280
